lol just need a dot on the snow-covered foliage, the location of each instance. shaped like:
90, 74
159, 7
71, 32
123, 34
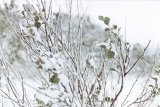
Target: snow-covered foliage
68, 61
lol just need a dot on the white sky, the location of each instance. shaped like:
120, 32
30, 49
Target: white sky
143, 16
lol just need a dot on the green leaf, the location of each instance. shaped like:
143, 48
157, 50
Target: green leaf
118, 66
39, 62
87, 62
151, 86
55, 75
103, 46
127, 43
114, 26
110, 54
101, 18
37, 24
107, 20
107, 99
54, 78
40, 102
107, 29
35, 13
112, 69
40, 67
23, 12
154, 78
36, 18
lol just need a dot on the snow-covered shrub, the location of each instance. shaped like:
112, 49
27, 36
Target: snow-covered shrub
66, 69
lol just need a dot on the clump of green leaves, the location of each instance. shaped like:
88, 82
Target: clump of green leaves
36, 18
110, 54
39, 63
106, 20
108, 99
37, 23
54, 78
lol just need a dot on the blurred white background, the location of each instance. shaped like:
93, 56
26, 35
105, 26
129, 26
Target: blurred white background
139, 19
